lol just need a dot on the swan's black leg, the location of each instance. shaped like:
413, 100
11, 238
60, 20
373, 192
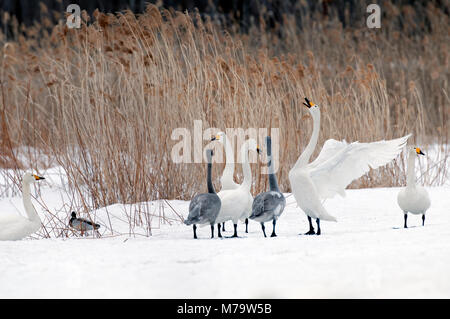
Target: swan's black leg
406, 218
273, 230
194, 227
218, 231
223, 226
423, 220
263, 229
311, 228
246, 225
318, 226
235, 230
212, 231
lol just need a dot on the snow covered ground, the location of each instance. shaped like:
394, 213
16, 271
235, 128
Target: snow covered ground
365, 255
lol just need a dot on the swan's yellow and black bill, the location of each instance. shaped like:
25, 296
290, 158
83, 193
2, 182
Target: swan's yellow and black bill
419, 151
215, 138
258, 150
38, 177
308, 103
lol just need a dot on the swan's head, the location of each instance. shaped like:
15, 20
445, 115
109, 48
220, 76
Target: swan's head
31, 178
252, 145
219, 137
313, 108
418, 151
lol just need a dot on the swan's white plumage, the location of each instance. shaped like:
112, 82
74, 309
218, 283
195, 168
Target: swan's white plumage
236, 202
227, 179
16, 227
342, 163
337, 165
413, 198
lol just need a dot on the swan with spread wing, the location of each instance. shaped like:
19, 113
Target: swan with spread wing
337, 165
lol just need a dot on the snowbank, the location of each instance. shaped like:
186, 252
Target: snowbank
366, 254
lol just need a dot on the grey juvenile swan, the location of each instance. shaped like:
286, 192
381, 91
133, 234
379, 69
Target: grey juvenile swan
204, 208
268, 206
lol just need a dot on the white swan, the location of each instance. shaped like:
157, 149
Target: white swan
337, 165
413, 198
236, 202
227, 178
16, 227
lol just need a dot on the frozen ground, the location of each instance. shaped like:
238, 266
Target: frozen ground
365, 255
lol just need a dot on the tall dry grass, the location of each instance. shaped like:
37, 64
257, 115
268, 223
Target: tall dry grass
103, 100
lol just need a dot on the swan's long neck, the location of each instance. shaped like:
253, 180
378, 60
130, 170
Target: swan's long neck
247, 183
273, 184
306, 155
411, 173
209, 180
228, 172
29, 208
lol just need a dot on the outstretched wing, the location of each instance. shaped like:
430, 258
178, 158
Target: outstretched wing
329, 149
333, 172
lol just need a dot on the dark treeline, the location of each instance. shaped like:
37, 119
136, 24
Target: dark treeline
246, 12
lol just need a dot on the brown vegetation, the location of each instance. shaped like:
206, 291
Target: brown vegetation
102, 100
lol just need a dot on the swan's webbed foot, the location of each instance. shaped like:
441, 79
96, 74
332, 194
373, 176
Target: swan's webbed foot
223, 226
318, 226
310, 232
246, 225
406, 218
423, 220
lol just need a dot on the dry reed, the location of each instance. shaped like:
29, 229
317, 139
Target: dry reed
102, 101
